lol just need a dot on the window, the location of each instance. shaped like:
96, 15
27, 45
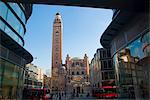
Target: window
101, 54
56, 49
72, 73
82, 91
104, 54
103, 76
98, 84
81, 64
71, 78
77, 63
73, 90
72, 64
18, 11
57, 33
77, 73
3, 10
106, 75
30, 82
82, 72
108, 53
109, 64
102, 65
111, 75
14, 22
105, 64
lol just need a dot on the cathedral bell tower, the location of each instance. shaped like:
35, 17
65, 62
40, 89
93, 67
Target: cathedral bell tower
56, 50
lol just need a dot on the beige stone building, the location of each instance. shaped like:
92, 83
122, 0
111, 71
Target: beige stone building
33, 76
47, 82
77, 77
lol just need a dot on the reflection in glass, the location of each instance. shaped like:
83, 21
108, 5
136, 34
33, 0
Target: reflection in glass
129, 73
11, 80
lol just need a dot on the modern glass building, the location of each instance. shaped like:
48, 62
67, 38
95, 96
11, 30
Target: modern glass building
13, 57
128, 37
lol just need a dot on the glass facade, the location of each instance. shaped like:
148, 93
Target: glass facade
11, 80
13, 57
129, 73
18, 11
16, 28
146, 43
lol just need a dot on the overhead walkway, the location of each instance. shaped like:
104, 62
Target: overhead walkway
107, 4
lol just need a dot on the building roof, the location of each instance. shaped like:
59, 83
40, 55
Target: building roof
75, 58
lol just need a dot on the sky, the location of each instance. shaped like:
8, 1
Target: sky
82, 29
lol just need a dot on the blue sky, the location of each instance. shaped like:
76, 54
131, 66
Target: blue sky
82, 28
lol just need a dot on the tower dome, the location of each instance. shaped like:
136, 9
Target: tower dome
57, 13
63, 70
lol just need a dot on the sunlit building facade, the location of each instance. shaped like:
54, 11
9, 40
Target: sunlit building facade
95, 72
13, 57
101, 69
128, 37
34, 77
77, 77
